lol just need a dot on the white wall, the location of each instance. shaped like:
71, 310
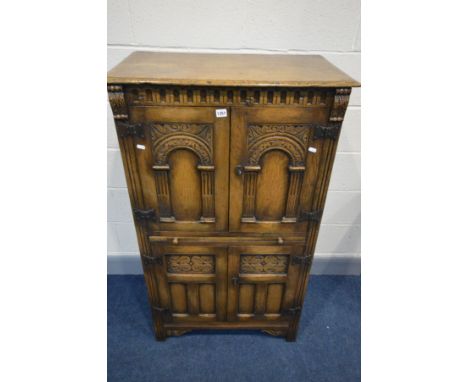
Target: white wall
327, 27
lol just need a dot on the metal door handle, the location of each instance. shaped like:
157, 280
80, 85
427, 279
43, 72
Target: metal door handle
235, 280
239, 170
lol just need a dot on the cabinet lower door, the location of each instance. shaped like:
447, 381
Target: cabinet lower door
191, 282
262, 282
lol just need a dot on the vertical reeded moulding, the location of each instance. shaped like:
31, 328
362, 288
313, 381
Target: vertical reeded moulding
250, 191
296, 174
161, 173
207, 180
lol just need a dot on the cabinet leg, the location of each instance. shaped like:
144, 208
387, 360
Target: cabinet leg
291, 333
159, 331
160, 335
291, 338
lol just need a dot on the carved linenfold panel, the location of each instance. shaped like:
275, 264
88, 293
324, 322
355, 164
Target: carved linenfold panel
163, 193
117, 102
207, 185
198, 138
294, 190
250, 189
263, 264
190, 264
217, 96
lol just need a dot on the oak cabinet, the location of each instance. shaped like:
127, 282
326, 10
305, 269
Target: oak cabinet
227, 160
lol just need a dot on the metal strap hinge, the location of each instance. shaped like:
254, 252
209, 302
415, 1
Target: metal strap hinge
148, 260
126, 129
144, 214
313, 216
302, 260
326, 132
292, 311
160, 310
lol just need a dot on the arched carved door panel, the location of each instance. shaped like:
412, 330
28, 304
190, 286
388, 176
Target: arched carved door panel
183, 166
275, 158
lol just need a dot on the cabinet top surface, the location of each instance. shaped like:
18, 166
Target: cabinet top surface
228, 70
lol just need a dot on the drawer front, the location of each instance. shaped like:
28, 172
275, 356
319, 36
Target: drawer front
183, 167
262, 282
225, 240
191, 282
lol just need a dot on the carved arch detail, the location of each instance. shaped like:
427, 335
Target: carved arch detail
292, 139
168, 137
291, 147
165, 146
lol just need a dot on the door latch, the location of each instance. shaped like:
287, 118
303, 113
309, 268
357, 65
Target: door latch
239, 169
292, 311
235, 281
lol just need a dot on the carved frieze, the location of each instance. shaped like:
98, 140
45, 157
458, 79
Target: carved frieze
190, 264
226, 96
264, 264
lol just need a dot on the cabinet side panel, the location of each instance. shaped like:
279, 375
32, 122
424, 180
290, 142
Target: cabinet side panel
120, 112
328, 136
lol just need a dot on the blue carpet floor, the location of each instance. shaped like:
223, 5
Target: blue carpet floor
327, 346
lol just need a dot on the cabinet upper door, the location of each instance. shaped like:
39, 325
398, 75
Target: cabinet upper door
274, 168
183, 164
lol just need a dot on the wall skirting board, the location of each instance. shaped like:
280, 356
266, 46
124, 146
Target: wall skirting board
324, 264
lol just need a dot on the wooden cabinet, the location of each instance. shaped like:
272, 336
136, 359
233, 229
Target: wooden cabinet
227, 160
